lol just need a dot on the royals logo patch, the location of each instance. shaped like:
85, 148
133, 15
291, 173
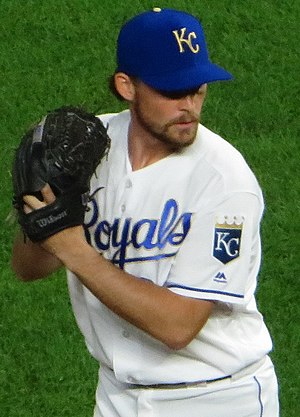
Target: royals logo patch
227, 239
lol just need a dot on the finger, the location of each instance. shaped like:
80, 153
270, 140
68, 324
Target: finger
48, 194
27, 209
32, 202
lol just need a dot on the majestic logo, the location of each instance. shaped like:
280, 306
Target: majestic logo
154, 238
220, 277
188, 40
227, 240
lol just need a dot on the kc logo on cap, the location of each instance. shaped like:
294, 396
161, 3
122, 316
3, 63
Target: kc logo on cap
166, 49
182, 41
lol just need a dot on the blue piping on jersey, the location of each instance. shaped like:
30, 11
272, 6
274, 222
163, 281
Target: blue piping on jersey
259, 397
170, 285
145, 258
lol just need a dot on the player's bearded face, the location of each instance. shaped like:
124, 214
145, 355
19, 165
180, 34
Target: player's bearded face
172, 120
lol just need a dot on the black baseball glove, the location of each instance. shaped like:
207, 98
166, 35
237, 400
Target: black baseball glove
63, 150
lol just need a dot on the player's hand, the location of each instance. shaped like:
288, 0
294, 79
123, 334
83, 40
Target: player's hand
63, 242
33, 203
63, 149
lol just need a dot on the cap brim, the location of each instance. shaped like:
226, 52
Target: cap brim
187, 79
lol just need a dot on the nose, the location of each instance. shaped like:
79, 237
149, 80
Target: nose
188, 102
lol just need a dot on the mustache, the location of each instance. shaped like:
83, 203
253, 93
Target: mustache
186, 118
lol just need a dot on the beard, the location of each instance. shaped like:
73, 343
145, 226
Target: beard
176, 139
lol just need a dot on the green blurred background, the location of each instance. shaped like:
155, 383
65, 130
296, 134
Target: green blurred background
59, 52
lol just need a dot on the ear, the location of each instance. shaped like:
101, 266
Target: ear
124, 86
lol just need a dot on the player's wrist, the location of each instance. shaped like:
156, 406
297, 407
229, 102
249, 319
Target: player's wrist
67, 243
80, 258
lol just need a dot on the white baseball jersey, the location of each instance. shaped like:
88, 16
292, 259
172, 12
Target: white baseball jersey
189, 222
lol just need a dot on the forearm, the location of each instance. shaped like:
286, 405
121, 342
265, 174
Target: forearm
170, 318
173, 319
30, 261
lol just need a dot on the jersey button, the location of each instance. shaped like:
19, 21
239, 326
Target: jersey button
123, 208
126, 334
128, 184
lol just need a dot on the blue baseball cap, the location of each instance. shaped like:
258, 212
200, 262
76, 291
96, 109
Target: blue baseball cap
166, 49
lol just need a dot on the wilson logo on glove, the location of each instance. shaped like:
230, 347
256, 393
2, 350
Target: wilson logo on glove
44, 222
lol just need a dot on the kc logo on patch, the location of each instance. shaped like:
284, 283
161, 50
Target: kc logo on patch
227, 239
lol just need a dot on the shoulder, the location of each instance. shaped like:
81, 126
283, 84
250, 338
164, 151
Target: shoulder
115, 121
217, 151
223, 161
219, 167
115, 162
117, 128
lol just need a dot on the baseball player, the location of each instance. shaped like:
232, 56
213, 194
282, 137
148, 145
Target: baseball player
163, 274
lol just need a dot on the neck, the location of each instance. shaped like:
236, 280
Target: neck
144, 149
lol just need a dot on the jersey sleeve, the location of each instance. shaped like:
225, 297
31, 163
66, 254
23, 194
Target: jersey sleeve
220, 258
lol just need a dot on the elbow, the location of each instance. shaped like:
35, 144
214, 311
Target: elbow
18, 273
179, 334
25, 277
176, 345
23, 274
179, 339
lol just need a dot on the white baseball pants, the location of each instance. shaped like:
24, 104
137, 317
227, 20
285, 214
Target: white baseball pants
246, 394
